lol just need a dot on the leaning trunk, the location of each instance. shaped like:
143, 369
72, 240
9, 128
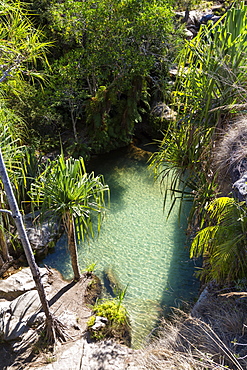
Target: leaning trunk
24, 239
73, 247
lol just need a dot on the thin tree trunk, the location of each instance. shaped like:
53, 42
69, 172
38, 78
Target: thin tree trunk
73, 248
24, 239
73, 119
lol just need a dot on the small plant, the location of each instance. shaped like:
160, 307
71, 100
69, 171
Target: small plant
91, 321
112, 310
117, 324
90, 269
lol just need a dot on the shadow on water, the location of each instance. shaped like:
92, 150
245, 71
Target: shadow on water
182, 285
106, 165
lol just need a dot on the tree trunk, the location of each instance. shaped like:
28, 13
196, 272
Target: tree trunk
73, 119
24, 239
73, 247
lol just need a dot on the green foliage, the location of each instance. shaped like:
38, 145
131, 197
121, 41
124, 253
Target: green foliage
101, 74
90, 268
20, 43
222, 241
91, 321
112, 310
209, 85
211, 73
192, 4
181, 167
117, 325
21, 49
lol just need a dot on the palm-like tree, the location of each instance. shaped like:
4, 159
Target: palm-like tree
65, 189
52, 325
222, 242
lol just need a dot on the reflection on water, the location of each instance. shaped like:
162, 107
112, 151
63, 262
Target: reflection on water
137, 245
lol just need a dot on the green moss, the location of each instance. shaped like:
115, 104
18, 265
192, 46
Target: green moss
112, 310
117, 326
91, 321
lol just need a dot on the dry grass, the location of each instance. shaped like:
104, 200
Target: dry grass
230, 155
212, 339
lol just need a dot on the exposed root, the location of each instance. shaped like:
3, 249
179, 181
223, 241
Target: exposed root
54, 332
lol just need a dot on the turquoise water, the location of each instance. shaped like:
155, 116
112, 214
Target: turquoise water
137, 245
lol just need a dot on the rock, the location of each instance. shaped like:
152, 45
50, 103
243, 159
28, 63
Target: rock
105, 355
209, 17
19, 283
162, 111
36, 320
69, 320
41, 236
15, 316
193, 19
204, 296
100, 322
241, 187
111, 281
188, 34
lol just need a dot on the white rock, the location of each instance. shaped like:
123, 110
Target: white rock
19, 283
15, 316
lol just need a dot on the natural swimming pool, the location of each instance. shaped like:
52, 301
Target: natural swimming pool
137, 245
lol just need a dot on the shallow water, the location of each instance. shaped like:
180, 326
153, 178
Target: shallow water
137, 245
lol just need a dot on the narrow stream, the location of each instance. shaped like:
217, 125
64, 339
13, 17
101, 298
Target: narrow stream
137, 245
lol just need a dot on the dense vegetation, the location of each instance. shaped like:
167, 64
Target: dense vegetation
82, 83
85, 75
209, 94
92, 76
108, 63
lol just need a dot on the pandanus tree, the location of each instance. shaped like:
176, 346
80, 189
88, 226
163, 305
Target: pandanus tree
53, 326
66, 190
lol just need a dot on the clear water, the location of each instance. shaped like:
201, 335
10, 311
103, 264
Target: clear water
137, 245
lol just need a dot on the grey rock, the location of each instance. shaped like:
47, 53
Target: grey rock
15, 315
188, 34
163, 111
105, 355
241, 185
100, 322
69, 320
42, 236
36, 319
19, 283
195, 312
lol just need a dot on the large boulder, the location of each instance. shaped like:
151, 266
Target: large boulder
20, 283
17, 316
42, 236
19, 303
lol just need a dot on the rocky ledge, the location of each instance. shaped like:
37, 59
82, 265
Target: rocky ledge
21, 318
